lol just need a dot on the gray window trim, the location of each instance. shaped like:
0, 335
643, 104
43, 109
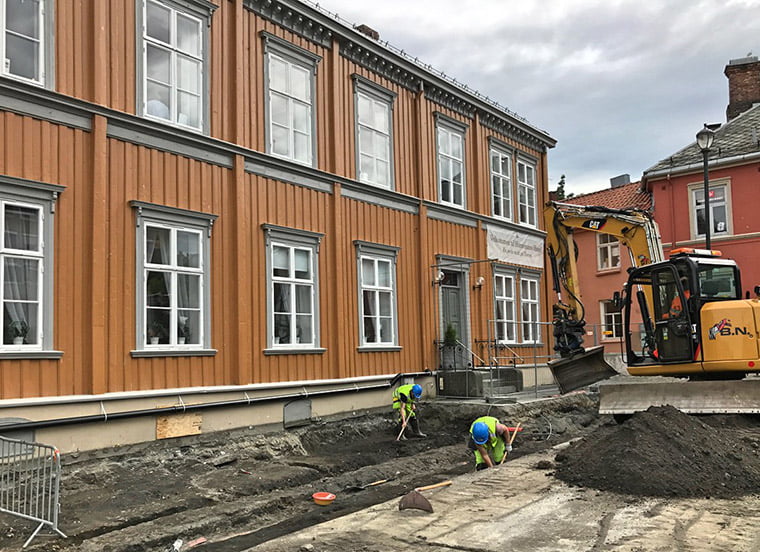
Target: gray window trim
296, 238
297, 56
45, 195
201, 9
380, 94
387, 253
452, 125
181, 218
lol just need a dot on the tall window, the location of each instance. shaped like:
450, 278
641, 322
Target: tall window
373, 134
718, 210
608, 251
290, 100
526, 192
529, 309
22, 274
26, 269
173, 61
22, 44
501, 183
504, 295
377, 288
173, 278
612, 320
293, 291
450, 163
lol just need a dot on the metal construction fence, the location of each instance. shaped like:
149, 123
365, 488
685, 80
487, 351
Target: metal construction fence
30, 476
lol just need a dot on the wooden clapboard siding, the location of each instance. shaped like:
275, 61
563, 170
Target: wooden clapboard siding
95, 265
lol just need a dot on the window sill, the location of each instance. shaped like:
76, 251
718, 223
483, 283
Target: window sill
379, 349
295, 351
613, 270
31, 355
151, 353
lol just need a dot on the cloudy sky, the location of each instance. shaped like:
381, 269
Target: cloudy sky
620, 84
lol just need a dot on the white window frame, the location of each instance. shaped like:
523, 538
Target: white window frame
44, 44
376, 254
149, 215
368, 92
698, 189
530, 323
501, 182
507, 303
294, 58
606, 244
293, 241
39, 197
526, 192
611, 318
198, 11
449, 131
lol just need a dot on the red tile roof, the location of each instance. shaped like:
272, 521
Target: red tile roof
623, 197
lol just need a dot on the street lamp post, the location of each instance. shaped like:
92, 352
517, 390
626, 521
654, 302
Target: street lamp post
704, 141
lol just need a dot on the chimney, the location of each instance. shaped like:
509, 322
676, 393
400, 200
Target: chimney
743, 85
621, 180
369, 31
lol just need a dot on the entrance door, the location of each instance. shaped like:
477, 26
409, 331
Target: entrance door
454, 313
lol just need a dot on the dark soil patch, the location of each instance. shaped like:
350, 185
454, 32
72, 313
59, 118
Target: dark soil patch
244, 487
664, 452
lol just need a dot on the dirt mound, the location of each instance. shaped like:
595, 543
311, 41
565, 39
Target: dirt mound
663, 452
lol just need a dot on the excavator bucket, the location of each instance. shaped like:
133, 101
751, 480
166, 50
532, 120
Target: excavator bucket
691, 397
581, 369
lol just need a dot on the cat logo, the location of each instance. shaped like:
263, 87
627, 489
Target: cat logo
594, 224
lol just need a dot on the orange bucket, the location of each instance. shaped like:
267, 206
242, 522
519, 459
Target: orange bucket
323, 499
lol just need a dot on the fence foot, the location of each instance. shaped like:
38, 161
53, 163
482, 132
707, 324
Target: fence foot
40, 526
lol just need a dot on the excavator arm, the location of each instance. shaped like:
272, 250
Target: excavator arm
633, 228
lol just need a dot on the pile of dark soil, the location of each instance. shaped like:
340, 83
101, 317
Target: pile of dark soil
664, 452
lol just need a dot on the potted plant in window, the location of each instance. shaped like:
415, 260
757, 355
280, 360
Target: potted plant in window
448, 348
183, 330
18, 330
155, 332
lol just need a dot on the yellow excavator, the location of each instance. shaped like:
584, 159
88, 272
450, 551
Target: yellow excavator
683, 317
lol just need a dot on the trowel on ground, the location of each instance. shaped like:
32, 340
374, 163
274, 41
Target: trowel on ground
415, 500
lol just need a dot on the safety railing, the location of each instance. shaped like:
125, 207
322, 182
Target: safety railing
30, 476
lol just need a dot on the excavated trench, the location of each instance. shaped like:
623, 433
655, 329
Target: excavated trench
242, 488
237, 489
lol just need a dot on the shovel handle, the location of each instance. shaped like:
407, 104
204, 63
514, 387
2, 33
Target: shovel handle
435, 486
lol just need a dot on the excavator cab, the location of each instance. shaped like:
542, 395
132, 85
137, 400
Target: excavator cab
669, 297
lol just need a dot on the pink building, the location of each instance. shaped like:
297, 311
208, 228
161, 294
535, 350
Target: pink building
677, 182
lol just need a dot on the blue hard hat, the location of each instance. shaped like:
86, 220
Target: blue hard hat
416, 391
480, 433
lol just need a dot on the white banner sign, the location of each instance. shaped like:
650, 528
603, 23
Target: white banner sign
513, 247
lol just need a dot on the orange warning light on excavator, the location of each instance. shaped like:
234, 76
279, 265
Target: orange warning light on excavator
692, 251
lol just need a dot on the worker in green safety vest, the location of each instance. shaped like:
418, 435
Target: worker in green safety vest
490, 440
405, 401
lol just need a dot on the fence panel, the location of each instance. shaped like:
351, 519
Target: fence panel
30, 476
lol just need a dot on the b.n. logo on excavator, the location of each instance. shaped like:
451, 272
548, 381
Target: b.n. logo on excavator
725, 329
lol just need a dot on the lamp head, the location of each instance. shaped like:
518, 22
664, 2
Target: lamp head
705, 138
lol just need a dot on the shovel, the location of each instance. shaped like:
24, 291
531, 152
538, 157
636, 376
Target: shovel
373, 484
415, 500
511, 440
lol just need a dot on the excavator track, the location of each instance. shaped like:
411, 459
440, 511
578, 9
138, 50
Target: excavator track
691, 397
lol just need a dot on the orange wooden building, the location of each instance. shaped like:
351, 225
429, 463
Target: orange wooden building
211, 208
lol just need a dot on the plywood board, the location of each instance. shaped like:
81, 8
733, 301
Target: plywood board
178, 425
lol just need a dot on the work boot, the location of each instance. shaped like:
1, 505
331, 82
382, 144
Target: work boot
416, 428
